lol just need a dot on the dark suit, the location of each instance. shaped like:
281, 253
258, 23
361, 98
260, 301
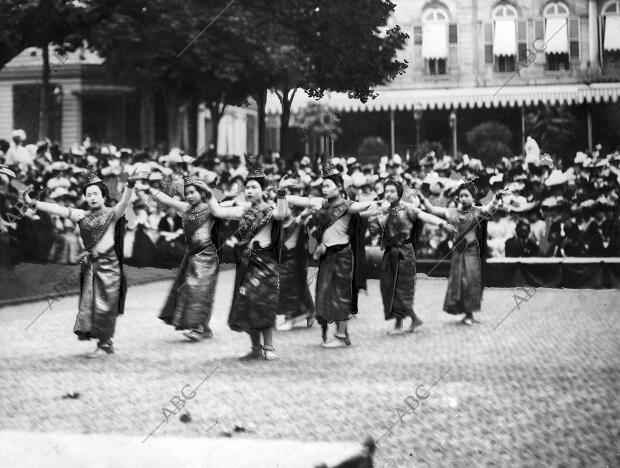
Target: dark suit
516, 247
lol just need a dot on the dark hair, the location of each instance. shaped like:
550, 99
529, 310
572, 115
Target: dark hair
262, 181
469, 186
396, 184
201, 191
336, 179
105, 192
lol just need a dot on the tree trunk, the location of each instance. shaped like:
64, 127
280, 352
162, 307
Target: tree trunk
172, 117
261, 100
192, 126
44, 108
286, 101
217, 111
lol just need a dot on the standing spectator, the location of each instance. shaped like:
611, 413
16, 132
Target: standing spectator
18, 154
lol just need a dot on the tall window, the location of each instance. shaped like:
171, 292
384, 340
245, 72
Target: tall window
435, 41
611, 33
504, 32
556, 36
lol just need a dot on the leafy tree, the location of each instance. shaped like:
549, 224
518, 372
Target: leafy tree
321, 45
554, 128
61, 24
318, 122
427, 147
490, 142
372, 149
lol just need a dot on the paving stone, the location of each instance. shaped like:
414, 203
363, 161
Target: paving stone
549, 373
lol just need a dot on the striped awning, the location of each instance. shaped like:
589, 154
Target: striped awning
447, 98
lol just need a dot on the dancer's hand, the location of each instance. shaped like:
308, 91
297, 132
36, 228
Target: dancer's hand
141, 185
286, 182
320, 251
29, 201
502, 193
447, 227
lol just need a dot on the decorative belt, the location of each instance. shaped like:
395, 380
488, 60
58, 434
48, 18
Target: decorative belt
463, 246
398, 246
335, 248
255, 247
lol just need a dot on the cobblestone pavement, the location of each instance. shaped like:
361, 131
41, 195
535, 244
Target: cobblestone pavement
540, 389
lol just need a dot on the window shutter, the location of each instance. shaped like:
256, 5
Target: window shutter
601, 28
539, 31
417, 35
452, 33
488, 42
573, 37
522, 41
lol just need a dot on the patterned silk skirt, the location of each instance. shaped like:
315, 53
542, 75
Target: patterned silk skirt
255, 298
465, 282
295, 297
397, 281
190, 301
100, 296
334, 287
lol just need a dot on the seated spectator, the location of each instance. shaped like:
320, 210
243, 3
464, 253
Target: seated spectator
521, 244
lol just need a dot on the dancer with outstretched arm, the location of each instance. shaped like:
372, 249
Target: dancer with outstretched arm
296, 304
338, 229
102, 282
256, 290
464, 294
399, 223
190, 302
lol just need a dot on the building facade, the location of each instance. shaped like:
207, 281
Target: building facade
87, 102
477, 60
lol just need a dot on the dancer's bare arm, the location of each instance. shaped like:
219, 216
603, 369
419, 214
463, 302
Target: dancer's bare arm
431, 219
358, 207
73, 214
121, 206
233, 212
167, 200
490, 208
430, 208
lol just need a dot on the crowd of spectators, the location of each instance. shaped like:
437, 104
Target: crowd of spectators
555, 208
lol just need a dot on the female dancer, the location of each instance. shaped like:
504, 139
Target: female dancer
190, 301
341, 254
464, 293
397, 279
296, 302
102, 285
256, 292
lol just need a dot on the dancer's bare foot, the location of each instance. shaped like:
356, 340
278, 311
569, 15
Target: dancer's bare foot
98, 353
193, 335
256, 353
415, 323
269, 353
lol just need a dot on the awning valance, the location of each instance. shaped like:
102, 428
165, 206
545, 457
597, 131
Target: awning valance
505, 37
447, 98
435, 40
556, 36
612, 33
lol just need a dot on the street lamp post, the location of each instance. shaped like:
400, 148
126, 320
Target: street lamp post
417, 116
453, 127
